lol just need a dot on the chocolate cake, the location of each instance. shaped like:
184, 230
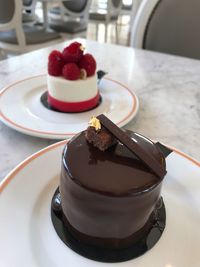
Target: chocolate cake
110, 185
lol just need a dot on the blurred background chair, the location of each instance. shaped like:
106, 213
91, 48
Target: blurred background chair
126, 7
70, 18
57, 12
106, 15
125, 13
168, 26
14, 37
28, 15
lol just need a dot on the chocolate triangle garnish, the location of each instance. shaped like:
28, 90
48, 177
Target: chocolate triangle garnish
165, 150
133, 146
100, 74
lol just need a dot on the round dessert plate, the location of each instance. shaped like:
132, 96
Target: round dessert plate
22, 110
28, 237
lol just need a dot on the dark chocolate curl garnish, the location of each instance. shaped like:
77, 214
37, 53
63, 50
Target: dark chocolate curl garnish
102, 139
133, 146
100, 75
165, 150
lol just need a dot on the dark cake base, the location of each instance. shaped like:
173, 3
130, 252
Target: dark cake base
44, 101
106, 254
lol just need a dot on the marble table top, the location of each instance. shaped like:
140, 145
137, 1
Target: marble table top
167, 87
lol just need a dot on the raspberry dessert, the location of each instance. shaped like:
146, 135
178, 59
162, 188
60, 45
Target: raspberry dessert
72, 79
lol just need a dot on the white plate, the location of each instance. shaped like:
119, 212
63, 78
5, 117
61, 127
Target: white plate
21, 109
27, 236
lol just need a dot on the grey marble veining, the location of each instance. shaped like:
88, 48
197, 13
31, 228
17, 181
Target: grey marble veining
168, 88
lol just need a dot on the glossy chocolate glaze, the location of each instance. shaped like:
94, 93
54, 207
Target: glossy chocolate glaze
103, 253
108, 197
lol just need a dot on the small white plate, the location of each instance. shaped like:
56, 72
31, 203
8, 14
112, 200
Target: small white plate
22, 110
28, 238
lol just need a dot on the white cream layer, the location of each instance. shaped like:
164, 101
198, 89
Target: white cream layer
72, 91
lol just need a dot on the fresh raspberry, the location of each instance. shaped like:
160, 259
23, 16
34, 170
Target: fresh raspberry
55, 54
71, 71
73, 52
88, 63
55, 63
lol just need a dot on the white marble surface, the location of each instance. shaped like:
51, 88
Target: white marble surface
168, 88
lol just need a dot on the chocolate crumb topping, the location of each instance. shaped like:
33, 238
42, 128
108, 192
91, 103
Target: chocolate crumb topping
102, 139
